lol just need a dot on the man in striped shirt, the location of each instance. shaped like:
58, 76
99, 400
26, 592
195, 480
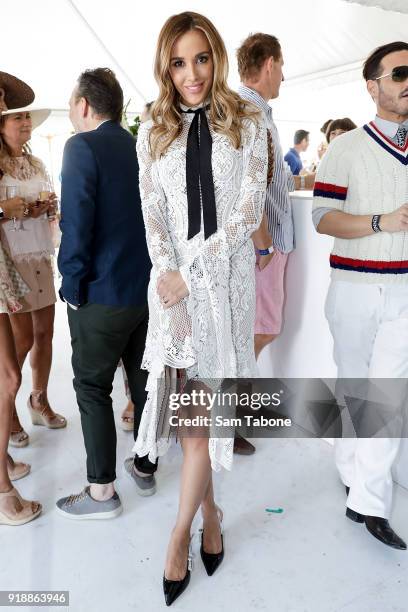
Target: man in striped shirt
260, 65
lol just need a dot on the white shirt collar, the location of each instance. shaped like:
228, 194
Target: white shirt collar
388, 128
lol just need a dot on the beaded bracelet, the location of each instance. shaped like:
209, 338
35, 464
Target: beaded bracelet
375, 223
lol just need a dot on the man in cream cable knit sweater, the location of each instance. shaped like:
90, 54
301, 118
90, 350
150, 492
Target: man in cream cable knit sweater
361, 198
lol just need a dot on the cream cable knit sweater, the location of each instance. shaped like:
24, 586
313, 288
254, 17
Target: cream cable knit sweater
365, 173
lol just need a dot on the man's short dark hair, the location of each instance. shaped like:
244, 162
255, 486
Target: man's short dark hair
102, 91
254, 51
372, 65
299, 136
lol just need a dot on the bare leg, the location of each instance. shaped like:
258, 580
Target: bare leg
211, 523
40, 361
195, 490
102, 492
10, 380
127, 416
262, 340
195, 478
41, 352
22, 326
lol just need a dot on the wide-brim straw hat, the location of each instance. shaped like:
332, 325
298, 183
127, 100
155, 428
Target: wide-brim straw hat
14, 93
38, 115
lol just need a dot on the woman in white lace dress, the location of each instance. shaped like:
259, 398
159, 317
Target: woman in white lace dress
203, 169
29, 244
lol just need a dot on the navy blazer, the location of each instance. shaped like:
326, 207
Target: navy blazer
103, 256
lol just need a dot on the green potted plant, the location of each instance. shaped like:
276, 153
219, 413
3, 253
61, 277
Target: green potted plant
133, 128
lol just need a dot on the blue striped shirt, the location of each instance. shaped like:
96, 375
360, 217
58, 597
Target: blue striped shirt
278, 206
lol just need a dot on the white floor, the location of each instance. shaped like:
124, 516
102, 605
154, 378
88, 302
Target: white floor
308, 559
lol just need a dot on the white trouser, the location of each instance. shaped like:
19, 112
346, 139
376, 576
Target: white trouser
369, 324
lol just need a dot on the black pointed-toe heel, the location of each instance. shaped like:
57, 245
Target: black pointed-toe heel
174, 588
212, 561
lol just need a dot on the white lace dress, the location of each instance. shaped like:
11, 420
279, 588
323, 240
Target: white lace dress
210, 332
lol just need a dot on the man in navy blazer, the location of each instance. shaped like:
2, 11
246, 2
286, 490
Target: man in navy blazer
105, 270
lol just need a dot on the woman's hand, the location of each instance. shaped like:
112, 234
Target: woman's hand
171, 288
52, 206
45, 205
38, 209
14, 208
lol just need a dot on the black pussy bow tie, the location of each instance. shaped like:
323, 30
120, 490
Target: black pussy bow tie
200, 184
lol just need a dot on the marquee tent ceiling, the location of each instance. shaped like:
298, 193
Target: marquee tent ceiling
389, 5
49, 42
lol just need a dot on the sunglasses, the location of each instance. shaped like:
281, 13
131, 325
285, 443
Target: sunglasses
398, 74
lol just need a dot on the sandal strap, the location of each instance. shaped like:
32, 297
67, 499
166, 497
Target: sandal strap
46, 409
12, 493
27, 507
23, 436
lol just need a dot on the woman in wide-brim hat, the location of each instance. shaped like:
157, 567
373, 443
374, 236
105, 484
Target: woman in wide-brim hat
31, 249
13, 509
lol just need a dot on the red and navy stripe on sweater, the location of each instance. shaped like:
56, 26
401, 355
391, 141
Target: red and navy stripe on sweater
400, 153
366, 265
327, 190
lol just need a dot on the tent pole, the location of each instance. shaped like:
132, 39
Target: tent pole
105, 48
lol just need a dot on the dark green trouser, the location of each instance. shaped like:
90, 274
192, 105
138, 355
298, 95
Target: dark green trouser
100, 336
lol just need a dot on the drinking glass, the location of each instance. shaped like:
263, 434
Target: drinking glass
13, 191
46, 188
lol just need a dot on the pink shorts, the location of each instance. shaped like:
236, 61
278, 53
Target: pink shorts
270, 295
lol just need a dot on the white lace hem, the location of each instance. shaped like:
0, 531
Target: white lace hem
220, 449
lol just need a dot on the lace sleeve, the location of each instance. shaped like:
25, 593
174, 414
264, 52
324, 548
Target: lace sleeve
154, 207
247, 214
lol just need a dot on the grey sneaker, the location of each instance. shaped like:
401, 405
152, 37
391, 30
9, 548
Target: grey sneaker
82, 506
146, 485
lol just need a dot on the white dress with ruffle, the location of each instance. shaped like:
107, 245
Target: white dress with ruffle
210, 332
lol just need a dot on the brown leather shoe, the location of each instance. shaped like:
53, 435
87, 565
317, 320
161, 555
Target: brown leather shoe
242, 446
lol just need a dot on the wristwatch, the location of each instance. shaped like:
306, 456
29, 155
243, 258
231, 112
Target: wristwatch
267, 251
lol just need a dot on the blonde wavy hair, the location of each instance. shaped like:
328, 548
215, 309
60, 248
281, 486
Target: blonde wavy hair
227, 110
